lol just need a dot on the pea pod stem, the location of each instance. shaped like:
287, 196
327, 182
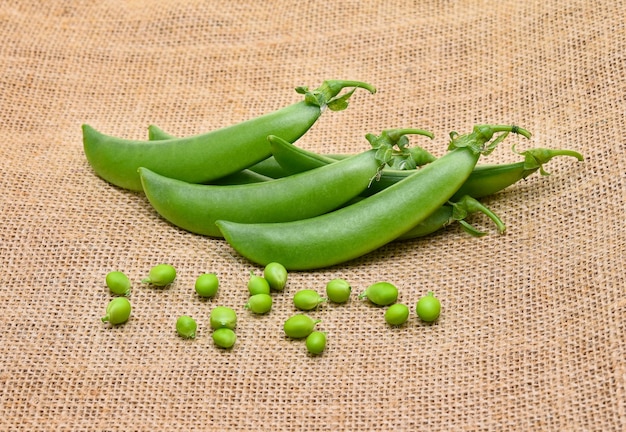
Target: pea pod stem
212, 155
454, 212
360, 228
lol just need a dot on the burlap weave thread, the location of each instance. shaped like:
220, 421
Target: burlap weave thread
532, 333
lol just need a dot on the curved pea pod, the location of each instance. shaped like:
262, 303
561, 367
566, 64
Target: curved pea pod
195, 208
484, 180
487, 180
212, 155
360, 228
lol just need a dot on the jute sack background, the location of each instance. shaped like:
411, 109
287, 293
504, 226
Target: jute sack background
532, 333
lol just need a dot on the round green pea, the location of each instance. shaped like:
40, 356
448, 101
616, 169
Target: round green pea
186, 327
428, 307
161, 275
299, 326
223, 317
207, 284
397, 314
307, 299
258, 285
338, 290
118, 311
381, 293
224, 337
118, 283
316, 342
259, 303
276, 275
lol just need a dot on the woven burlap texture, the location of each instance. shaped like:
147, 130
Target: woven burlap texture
532, 331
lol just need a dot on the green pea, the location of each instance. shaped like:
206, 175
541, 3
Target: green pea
381, 293
186, 327
224, 337
316, 342
207, 285
299, 326
258, 285
276, 275
118, 283
161, 275
222, 316
118, 311
397, 314
428, 307
338, 290
307, 299
259, 303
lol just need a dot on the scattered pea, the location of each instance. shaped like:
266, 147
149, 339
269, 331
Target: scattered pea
276, 275
222, 316
258, 284
307, 299
118, 283
428, 307
186, 327
316, 342
381, 293
338, 290
161, 275
118, 311
207, 285
397, 314
299, 326
259, 303
224, 337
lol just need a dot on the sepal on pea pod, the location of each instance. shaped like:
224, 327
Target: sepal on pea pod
404, 158
451, 212
468, 205
535, 158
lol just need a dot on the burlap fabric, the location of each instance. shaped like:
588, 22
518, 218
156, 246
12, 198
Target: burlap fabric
532, 334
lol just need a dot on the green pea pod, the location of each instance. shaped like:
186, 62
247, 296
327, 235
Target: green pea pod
209, 156
196, 207
360, 228
484, 180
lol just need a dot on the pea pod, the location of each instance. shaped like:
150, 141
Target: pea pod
212, 155
196, 207
360, 228
484, 180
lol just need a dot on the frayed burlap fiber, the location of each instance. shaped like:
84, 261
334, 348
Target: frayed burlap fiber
532, 334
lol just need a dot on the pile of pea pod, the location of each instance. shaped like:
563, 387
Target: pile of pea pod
275, 202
